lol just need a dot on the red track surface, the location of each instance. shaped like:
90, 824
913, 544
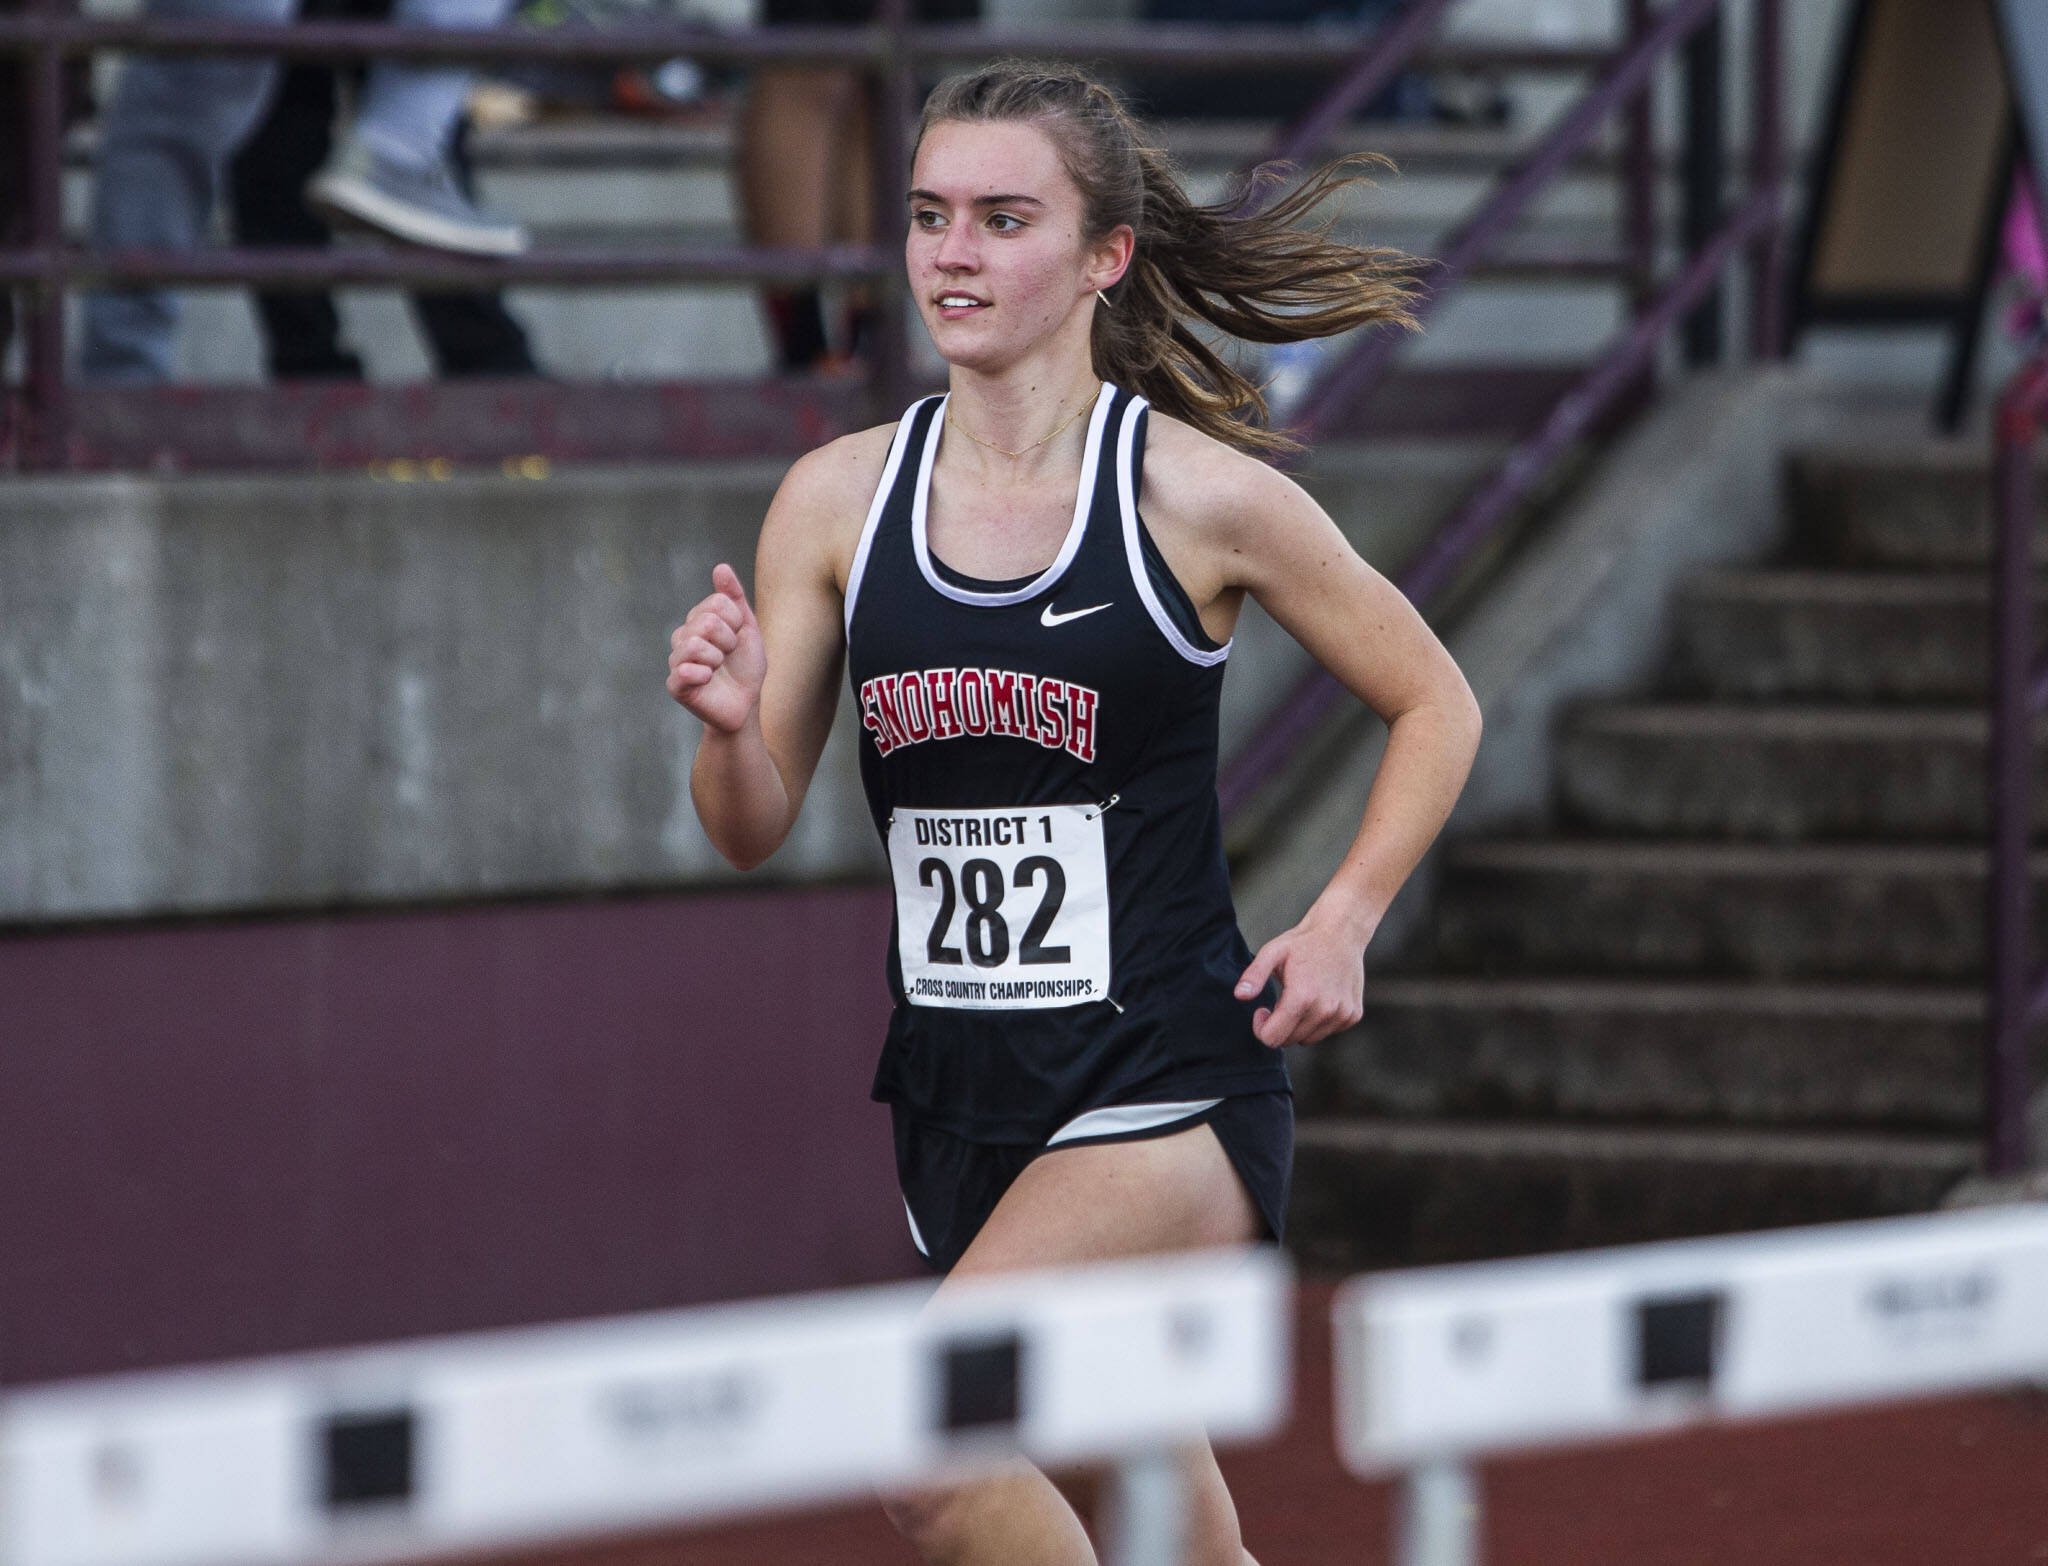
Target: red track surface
1954, 1483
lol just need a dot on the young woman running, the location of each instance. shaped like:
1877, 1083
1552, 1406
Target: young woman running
1032, 583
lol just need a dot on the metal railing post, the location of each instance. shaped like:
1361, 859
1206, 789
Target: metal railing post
1639, 172
1706, 172
1640, 175
2010, 773
895, 88
1147, 1518
45, 433
1767, 174
1436, 1515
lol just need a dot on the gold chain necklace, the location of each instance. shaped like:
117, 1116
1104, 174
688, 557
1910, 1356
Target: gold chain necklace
1086, 404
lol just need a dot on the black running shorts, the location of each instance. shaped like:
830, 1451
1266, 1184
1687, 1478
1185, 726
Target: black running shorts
951, 1185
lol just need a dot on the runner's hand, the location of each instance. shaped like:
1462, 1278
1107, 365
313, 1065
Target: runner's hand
1322, 985
716, 659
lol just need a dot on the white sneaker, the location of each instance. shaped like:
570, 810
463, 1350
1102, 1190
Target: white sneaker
361, 187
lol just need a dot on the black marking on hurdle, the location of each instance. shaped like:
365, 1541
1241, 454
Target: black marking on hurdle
1676, 1340
368, 1457
979, 1383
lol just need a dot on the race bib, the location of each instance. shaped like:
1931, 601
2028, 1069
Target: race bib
1001, 909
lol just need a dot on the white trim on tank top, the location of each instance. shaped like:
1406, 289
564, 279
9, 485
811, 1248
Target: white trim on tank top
1052, 573
1127, 503
876, 508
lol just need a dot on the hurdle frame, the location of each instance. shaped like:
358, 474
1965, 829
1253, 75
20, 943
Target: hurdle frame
1438, 1367
527, 1436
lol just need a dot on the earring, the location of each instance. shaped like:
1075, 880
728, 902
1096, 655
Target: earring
1099, 294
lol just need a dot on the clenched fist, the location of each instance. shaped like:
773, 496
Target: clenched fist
716, 660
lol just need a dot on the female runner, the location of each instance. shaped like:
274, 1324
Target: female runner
1032, 584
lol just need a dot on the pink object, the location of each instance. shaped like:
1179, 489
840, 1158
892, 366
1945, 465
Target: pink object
2025, 256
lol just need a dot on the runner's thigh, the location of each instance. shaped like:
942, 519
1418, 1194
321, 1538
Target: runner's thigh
1082, 1204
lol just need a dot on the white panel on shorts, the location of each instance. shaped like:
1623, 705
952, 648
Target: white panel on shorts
916, 1235
1123, 1119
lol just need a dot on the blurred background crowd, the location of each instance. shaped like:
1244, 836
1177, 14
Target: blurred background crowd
183, 150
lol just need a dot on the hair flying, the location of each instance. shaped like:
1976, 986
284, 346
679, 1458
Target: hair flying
1243, 267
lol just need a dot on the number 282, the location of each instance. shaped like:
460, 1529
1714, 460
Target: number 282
987, 934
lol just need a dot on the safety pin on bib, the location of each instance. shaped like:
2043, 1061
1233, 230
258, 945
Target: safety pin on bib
1093, 815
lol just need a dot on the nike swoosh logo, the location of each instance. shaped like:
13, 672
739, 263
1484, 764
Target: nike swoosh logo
1049, 618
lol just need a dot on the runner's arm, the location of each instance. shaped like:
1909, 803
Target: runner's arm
1254, 530
764, 678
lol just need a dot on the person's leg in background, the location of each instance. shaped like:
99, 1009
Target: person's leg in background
806, 159
794, 118
468, 333
392, 171
301, 330
166, 139
471, 333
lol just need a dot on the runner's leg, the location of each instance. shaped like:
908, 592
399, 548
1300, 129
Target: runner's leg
1074, 1205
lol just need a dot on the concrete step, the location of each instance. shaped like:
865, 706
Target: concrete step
1839, 635
1832, 1055
1917, 503
1379, 1193
1725, 770
1776, 911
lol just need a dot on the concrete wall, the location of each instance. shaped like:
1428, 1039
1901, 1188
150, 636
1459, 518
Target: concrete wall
296, 693
249, 693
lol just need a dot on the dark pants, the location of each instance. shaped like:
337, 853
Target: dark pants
468, 333
1261, 95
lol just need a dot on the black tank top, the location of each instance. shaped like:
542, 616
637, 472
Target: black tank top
1040, 759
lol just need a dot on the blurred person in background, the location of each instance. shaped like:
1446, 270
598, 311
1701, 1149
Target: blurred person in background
176, 121
468, 332
806, 167
1283, 95
1031, 584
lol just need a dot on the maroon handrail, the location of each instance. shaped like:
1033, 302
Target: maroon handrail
1468, 530
323, 267
889, 49
1481, 516
1392, 48
2018, 996
1353, 378
1178, 46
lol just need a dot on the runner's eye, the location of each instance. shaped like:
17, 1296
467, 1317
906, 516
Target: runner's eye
1005, 223
926, 218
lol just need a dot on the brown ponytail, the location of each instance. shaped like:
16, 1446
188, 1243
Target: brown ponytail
1255, 276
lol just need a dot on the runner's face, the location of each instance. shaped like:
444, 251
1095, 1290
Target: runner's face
997, 259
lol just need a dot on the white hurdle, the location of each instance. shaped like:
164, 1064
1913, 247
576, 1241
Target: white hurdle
507, 1438
1438, 1366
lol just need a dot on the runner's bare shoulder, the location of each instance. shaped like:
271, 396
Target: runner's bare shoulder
823, 499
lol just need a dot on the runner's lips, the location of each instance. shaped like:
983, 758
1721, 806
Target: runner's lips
960, 309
